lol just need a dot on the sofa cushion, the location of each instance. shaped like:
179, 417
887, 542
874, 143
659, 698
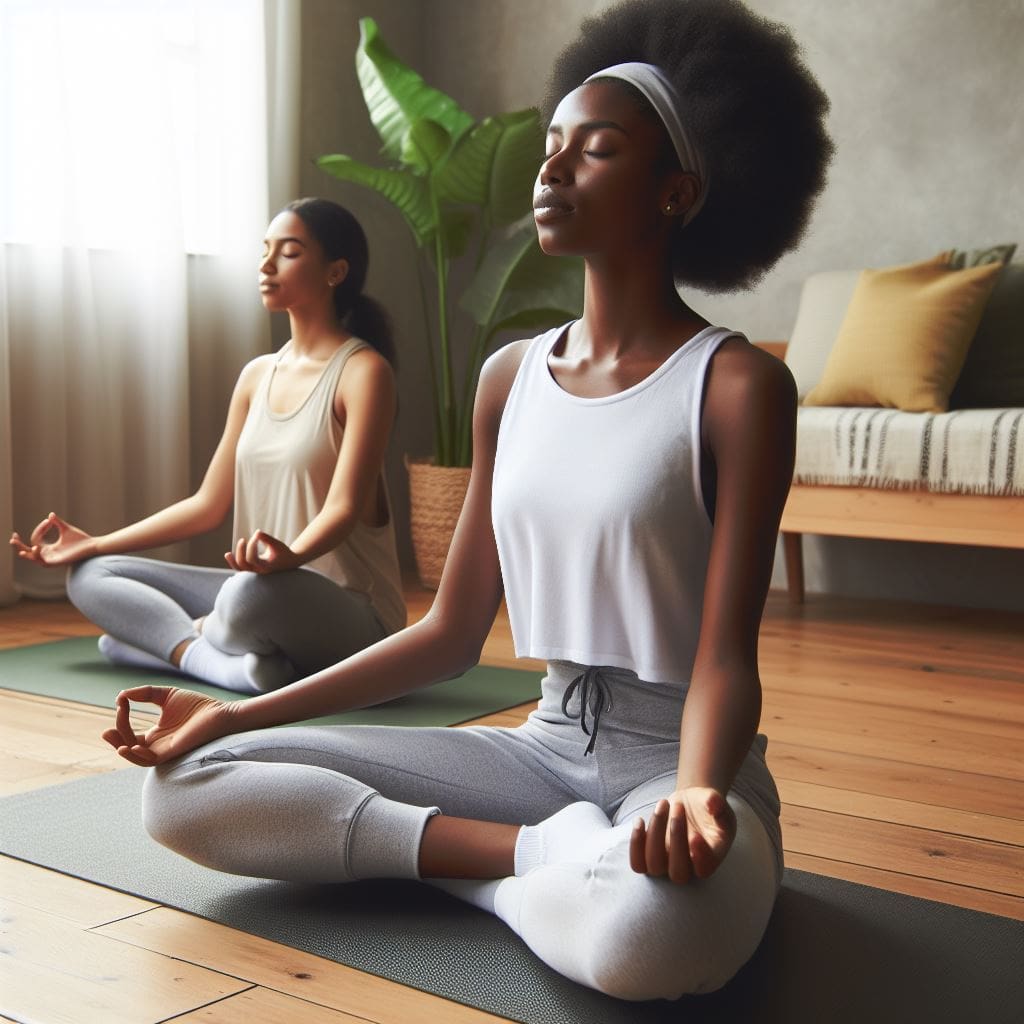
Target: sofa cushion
823, 303
905, 335
993, 373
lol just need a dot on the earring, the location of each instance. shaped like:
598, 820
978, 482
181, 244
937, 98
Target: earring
668, 207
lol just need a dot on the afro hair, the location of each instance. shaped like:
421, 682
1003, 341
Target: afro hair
754, 109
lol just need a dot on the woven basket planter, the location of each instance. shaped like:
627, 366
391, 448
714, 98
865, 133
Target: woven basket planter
436, 494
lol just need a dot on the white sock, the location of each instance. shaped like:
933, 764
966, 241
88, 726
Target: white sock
478, 891
122, 653
243, 673
507, 900
579, 832
568, 845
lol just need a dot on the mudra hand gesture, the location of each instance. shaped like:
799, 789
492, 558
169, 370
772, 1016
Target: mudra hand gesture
262, 554
68, 545
187, 720
688, 836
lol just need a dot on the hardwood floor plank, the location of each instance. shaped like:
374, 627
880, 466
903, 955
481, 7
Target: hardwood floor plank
948, 692
57, 740
963, 642
291, 971
264, 1006
997, 718
46, 741
911, 885
902, 812
33, 622
997, 867
896, 736
56, 703
57, 972
101, 714
84, 903
940, 787
70, 727
19, 773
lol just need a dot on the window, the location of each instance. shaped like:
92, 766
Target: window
122, 116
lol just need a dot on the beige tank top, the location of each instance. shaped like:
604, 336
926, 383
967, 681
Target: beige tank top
283, 470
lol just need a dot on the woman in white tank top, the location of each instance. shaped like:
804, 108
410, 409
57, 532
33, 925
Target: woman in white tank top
629, 473
313, 571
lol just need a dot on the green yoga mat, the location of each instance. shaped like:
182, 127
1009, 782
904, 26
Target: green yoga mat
834, 952
75, 670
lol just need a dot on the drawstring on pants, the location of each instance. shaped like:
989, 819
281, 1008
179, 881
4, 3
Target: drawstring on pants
595, 693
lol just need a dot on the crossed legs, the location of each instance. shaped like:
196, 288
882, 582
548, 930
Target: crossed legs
341, 803
258, 632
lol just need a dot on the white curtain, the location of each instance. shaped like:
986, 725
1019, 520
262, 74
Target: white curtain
135, 186
7, 591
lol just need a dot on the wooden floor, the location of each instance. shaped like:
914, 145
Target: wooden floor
896, 736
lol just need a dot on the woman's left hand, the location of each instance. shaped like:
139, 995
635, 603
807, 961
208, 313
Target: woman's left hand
688, 835
262, 554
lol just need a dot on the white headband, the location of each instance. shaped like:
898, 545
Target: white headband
662, 96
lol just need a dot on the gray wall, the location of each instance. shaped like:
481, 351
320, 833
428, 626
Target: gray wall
929, 126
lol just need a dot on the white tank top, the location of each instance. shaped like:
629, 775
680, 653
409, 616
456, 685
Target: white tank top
599, 515
283, 470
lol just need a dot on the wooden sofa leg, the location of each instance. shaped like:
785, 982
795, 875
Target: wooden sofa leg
793, 548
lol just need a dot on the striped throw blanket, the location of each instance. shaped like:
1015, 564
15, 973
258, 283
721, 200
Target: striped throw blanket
972, 451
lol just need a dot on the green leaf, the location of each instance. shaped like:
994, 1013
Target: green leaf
458, 226
454, 182
480, 299
517, 162
425, 145
396, 96
518, 285
456, 231
405, 190
495, 165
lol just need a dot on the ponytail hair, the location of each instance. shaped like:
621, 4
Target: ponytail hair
341, 237
369, 320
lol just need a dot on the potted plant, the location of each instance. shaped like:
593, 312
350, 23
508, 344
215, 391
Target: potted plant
464, 188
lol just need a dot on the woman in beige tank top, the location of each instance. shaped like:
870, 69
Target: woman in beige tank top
313, 573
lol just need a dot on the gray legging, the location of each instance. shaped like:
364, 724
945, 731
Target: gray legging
334, 803
152, 605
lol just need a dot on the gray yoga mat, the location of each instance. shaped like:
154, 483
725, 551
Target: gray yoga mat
75, 670
835, 952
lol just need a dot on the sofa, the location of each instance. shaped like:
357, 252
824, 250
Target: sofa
948, 469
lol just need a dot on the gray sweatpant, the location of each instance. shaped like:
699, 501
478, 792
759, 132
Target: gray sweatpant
333, 803
152, 605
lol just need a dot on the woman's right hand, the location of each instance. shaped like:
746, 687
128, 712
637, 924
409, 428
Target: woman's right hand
187, 720
70, 544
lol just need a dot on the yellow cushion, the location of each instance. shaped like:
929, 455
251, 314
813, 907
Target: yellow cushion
905, 336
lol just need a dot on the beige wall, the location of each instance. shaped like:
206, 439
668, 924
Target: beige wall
927, 117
